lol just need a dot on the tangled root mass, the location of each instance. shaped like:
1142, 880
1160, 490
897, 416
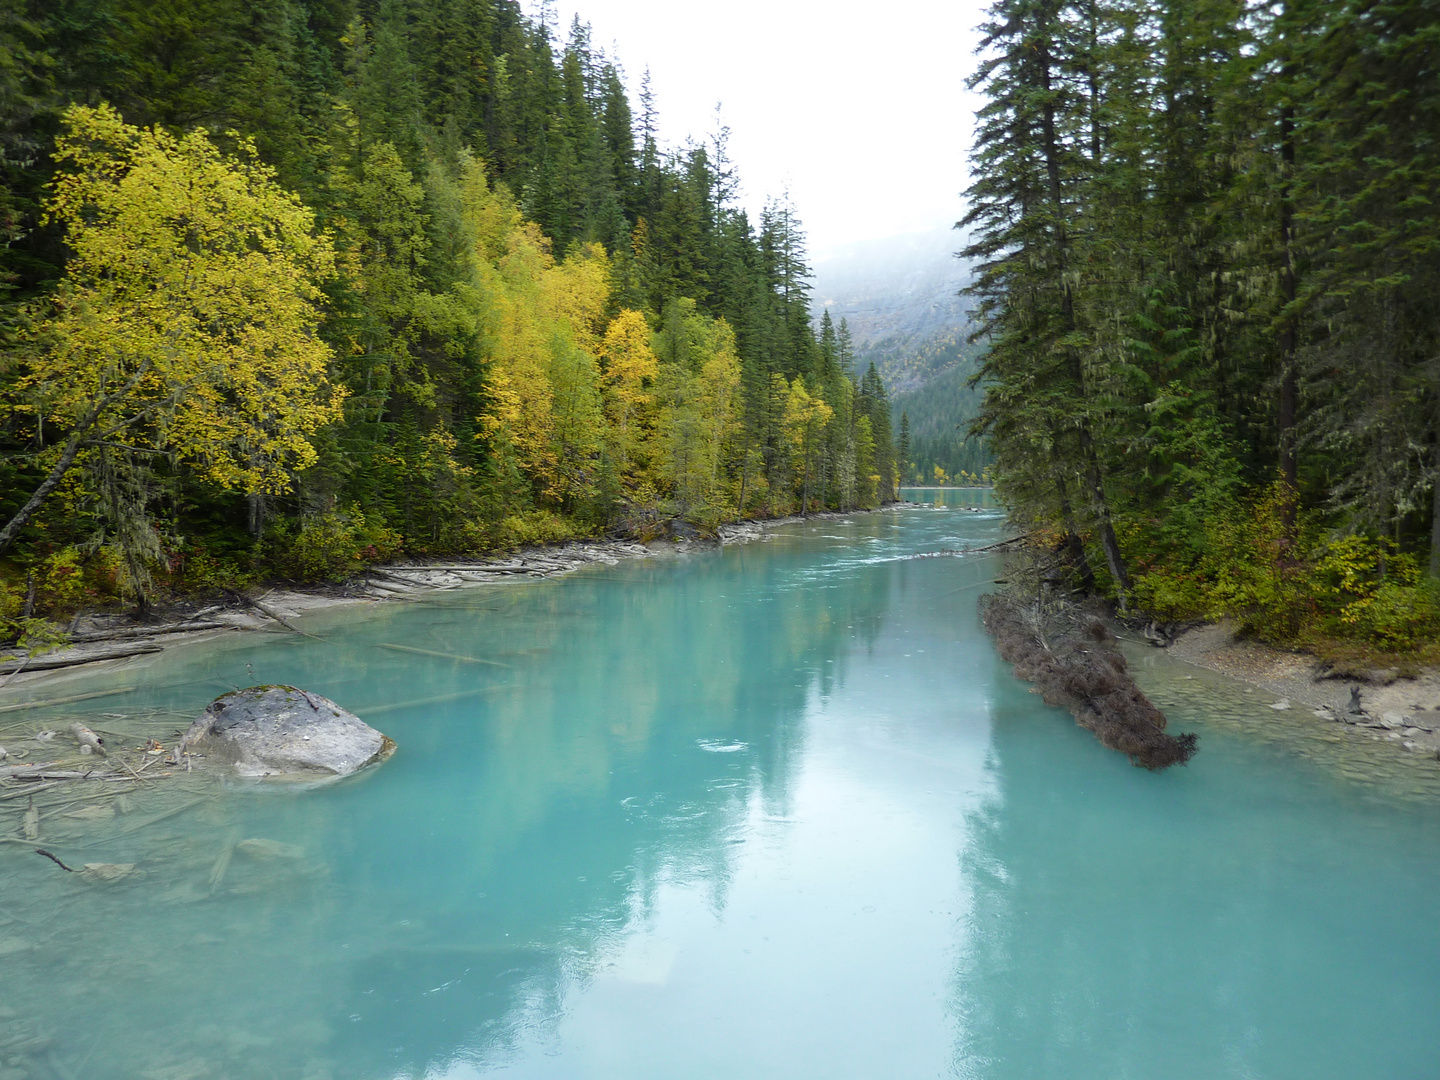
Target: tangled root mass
1075, 662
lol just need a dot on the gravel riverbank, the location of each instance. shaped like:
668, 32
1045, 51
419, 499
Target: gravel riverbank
1384, 708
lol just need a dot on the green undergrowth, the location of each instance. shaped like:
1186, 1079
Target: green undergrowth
324, 549
1286, 578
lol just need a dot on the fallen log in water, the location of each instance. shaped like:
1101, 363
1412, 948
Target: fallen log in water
47, 772
89, 742
131, 633
49, 663
1075, 662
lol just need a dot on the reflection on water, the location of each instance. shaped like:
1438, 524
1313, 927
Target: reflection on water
771, 811
1255, 914
958, 498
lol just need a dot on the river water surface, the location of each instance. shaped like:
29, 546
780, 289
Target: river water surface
772, 811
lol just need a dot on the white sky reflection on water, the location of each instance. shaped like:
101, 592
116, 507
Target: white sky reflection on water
854, 870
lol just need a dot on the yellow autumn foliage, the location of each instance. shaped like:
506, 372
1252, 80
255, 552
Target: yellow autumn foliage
545, 320
188, 318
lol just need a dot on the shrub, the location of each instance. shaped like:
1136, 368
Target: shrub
35, 634
331, 547
1171, 596
198, 567
1348, 589
61, 580
536, 527
1396, 616
1369, 591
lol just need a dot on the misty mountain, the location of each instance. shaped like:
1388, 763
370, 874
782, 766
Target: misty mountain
901, 299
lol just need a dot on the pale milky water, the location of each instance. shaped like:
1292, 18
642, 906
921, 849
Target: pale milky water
768, 811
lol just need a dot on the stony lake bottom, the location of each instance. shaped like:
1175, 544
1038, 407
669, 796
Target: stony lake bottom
775, 810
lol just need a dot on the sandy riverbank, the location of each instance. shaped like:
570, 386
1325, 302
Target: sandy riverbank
1403, 712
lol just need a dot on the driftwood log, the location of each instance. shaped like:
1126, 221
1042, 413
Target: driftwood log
130, 633
47, 663
88, 740
1075, 662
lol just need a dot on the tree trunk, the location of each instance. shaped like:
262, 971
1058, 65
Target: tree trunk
1051, 149
1289, 382
805, 487
1108, 541
67, 456
49, 484
1435, 514
1073, 543
256, 507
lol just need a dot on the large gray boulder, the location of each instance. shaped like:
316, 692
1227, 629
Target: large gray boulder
279, 731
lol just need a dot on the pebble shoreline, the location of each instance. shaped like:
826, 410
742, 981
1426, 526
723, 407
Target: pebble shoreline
1401, 711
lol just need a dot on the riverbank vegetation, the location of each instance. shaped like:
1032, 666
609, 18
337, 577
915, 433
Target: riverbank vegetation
1208, 265
294, 287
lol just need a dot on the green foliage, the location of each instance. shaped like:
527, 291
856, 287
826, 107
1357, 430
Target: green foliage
62, 582
1368, 591
1350, 588
32, 633
200, 569
1206, 254
940, 415
1397, 617
500, 242
536, 527
331, 547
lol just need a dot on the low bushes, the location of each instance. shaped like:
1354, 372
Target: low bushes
1289, 584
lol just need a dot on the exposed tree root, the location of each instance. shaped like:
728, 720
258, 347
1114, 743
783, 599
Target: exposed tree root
1075, 661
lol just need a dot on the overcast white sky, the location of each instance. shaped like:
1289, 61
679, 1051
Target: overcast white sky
860, 108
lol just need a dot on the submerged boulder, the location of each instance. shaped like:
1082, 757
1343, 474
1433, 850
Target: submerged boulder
280, 731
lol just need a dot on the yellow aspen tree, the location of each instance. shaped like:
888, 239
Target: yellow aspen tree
187, 320
520, 390
780, 479
629, 370
805, 418
572, 297
576, 291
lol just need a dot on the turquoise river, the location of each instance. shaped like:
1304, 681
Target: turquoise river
769, 811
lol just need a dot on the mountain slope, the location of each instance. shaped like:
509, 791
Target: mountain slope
940, 413
901, 299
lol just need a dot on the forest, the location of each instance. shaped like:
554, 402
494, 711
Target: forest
934, 419
1208, 268
294, 286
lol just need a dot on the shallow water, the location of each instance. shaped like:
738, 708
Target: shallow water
770, 811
